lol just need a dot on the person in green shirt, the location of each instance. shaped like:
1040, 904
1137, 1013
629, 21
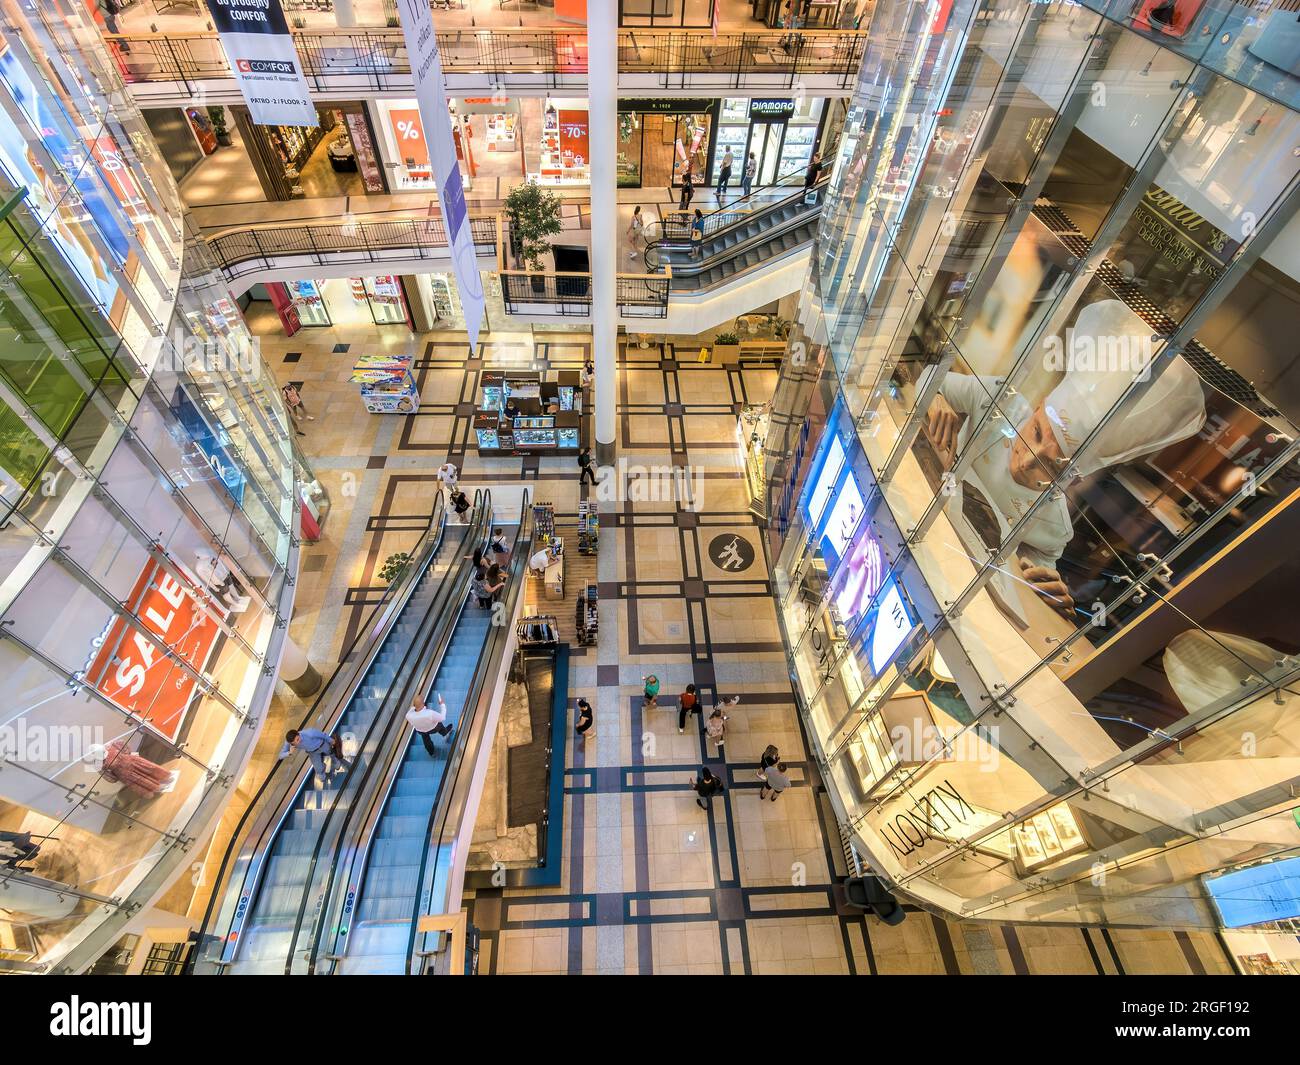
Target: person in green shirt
651, 691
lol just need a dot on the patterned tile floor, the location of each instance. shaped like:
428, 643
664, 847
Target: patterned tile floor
651, 883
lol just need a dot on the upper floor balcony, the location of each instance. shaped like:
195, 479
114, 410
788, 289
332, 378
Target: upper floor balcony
177, 68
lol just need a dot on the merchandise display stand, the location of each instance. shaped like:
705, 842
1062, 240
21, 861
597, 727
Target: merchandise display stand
588, 616
387, 385
588, 528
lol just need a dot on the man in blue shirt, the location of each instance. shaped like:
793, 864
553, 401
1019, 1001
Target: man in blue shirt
315, 744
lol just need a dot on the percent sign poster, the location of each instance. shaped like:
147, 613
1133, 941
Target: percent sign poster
261, 52
431, 95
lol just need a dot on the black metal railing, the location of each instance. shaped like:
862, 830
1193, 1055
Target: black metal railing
727, 58
564, 295
369, 58
378, 58
242, 251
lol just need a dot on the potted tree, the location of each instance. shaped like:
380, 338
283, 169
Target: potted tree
394, 566
726, 347
534, 215
217, 116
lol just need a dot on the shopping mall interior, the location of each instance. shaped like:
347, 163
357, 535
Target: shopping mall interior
699, 487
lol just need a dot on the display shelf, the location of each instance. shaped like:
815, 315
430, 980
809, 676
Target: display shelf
588, 528
588, 615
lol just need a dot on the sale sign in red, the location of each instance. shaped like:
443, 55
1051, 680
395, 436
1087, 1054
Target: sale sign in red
132, 667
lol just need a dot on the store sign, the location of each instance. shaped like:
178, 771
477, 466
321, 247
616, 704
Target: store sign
771, 110
487, 105
666, 107
130, 666
260, 51
431, 95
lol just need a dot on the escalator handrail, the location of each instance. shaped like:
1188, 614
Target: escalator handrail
335, 894
783, 180
695, 267
435, 832
376, 628
654, 251
383, 722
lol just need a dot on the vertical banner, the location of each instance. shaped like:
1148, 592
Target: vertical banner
261, 53
431, 95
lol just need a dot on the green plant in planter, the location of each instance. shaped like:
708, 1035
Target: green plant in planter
394, 566
726, 339
534, 215
217, 116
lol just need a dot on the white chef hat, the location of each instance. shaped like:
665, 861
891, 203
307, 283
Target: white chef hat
1171, 409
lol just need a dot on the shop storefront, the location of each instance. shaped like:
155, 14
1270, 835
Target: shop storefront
338, 301
491, 136
403, 146
337, 157
782, 135
1033, 570
564, 144
658, 139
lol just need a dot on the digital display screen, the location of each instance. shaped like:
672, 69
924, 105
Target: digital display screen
845, 516
821, 484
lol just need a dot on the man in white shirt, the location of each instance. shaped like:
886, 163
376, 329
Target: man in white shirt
426, 721
448, 475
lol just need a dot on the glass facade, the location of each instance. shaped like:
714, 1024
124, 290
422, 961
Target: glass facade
1032, 468
150, 500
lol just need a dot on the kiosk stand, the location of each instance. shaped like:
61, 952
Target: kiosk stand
387, 385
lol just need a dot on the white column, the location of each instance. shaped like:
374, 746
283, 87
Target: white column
602, 118
297, 672
344, 16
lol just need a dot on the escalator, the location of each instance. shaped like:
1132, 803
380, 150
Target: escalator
287, 841
400, 865
754, 230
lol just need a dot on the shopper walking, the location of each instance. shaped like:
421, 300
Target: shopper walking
747, 178
724, 175
584, 724
697, 235
813, 173
774, 782
448, 475
688, 190
426, 721
316, 745
770, 757
636, 231
651, 692
586, 467
479, 588
706, 785
460, 504
716, 728
498, 546
297, 409
687, 703
586, 375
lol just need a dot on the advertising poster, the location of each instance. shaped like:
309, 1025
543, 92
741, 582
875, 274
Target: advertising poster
431, 94
261, 53
130, 667
574, 145
68, 210
408, 131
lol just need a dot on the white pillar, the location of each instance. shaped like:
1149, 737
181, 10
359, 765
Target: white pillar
297, 672
602, 119
344, 16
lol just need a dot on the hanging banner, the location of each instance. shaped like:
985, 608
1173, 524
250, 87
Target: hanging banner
431, 95
261, 53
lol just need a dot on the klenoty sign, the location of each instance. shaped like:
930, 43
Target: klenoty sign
261, 52
431, 96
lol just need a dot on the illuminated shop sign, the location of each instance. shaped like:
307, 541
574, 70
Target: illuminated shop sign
771, 110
